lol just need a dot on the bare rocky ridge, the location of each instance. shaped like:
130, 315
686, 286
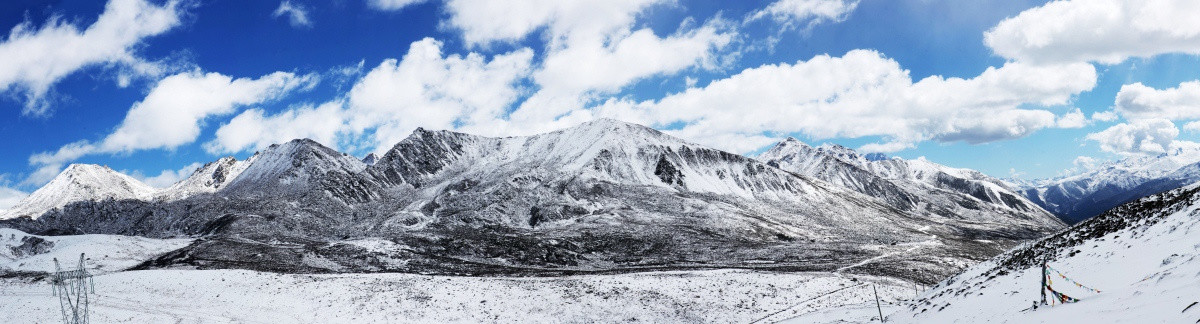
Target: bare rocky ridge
605, 196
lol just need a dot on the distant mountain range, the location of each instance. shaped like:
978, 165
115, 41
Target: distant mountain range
1078, 197
602, 196
909, 185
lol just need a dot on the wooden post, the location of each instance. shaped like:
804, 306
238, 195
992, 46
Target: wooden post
1042, 287
877, 306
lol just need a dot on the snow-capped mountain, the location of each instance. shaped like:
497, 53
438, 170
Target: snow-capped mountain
80, 182
1077, 197
301, 166
601, 196
1136, 263
911, 185
209, 178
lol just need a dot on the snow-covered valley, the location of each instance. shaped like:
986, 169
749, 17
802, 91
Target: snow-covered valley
242, 296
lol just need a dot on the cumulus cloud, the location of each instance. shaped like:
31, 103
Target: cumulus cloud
863, 94
592, 49
171, 115
1192, 127
1085, 162
37, 58
485, 21
9, 197
1104, 31
423, 89
1073, 119
297, 14
803, 14
392, 5
166, 178
611, 66
172, 112
1104, 116
49, 164
1140, 101
254, 129
1142, 136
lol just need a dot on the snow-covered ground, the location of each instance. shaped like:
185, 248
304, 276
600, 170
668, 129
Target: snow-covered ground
1146, 274
223, 296
105, 253
220, 296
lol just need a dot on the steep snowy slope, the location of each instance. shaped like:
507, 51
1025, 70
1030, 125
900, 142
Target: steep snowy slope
912, 185
1080, 196
208, 179
80, 182
1143, 257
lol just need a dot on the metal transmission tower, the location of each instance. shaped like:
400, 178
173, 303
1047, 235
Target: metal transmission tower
71, 287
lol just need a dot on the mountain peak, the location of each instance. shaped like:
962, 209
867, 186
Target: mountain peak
840, 151
209, 178
607, 124
370, 159
80, 182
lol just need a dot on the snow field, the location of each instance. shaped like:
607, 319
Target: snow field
1146, 275
226, 296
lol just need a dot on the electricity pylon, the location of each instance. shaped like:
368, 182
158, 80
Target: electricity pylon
71, 287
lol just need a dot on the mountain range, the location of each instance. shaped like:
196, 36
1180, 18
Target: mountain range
1080, 196
599, 197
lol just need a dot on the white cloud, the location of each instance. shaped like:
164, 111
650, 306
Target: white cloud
1142, 136
36, 59
428, 89
485, 21
166, 178
1104, 31
803, 14
423, 89
1192, 127
50, 164
172, 112
171, 115
1073, 119
1085, 162
571, 77
253, 129
297, 14
592, 50
864, 94
1179, 103
392, 5
9, 197
1104, 116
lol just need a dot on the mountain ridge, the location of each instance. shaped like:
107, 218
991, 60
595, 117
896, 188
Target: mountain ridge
601, 196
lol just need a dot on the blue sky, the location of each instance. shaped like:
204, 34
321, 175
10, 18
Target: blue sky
152, 88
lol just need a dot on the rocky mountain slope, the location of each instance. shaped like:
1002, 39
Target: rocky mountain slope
600, 197
1077, 197
911, 185
1135, 263
205, 180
